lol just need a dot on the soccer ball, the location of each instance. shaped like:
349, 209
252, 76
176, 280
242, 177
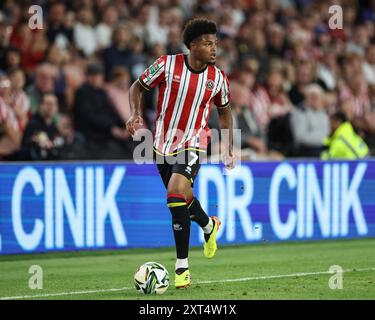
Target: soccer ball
151, 277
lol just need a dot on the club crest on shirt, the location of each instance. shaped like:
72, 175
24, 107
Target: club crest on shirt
210, 84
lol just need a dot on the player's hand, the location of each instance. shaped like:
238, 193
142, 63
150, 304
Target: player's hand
134, 122
229, 160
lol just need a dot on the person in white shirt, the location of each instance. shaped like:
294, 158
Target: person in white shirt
369, 64
84, 33
105, 28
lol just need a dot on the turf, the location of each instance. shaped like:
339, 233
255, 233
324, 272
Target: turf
102, 270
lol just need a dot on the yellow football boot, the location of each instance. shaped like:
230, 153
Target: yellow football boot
182, 280
210, 246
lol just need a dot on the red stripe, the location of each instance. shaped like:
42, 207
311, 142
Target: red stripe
211, 76
176, 195
186, 109
162, 88
189, 201
204, 136
172, 97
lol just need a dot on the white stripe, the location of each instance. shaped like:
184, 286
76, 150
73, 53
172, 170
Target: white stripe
199, 94
195, 141
196, 104
177, 108
224, 93
204, 117
253, 278
218, 83
171, 62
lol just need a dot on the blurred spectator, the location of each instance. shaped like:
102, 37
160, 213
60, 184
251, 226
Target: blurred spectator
359, 40
369, 64
270, 101
355, 89
105, 27
73, 146
11, 59
305, 75
95, 117
10, 133
118, 91
252, 135
142, 19
45, 76
59, 32
32, 45
328, 70
227, 50
310, 123
41, 139
276, 45
6, 30
70, 74
259, 50
174, 45
84, 32
58, 58
343, 142
20, 101
158, 29
120, 53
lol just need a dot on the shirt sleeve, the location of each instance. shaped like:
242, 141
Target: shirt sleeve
222, 98
154, 74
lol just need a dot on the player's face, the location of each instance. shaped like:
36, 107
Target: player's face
205, 48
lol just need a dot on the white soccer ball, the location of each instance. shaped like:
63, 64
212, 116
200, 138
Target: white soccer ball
151, 277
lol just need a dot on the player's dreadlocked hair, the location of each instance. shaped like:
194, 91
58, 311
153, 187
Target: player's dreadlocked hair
196, 27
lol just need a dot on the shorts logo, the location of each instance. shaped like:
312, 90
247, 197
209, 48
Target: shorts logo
188, 170
210, 84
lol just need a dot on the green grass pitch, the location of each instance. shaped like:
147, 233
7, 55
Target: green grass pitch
260, 271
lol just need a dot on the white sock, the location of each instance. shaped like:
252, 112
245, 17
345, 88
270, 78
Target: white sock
208, 228
182, 263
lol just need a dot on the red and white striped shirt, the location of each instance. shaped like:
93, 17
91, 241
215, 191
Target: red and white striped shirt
184, 102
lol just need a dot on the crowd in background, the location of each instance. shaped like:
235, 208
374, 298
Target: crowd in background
64, 88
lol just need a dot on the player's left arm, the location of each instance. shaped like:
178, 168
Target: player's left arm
222, 102
226, 126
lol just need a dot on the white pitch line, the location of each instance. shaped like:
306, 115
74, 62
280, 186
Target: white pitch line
65, 293
303, 274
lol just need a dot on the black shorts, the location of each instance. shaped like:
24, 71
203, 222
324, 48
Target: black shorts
186, 162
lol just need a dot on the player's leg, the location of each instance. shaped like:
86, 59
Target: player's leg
197, 214
178, 189
209, 225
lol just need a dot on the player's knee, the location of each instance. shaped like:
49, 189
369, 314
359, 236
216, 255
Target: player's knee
176, 195
178, 188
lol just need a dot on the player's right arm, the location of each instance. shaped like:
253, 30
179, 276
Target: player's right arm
135, 96
150, 78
